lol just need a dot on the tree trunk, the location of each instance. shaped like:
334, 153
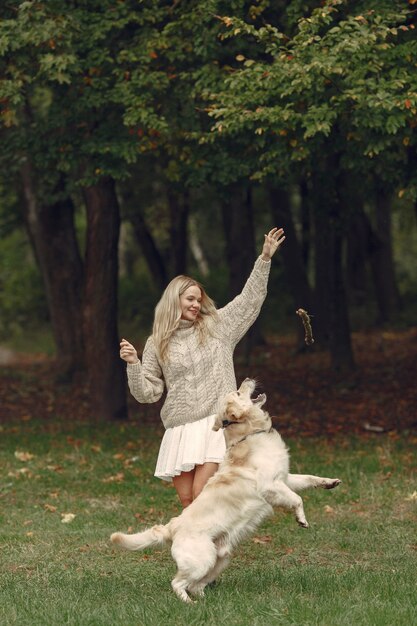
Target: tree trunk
131, 203
305, 223
151, 253
292, 255
368, 243
359, 239
382, 261
106, 371
340, 342
52, 233
332, 319
197, 249
178, 210
237, 214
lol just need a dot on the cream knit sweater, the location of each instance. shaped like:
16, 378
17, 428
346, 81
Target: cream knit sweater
197, 376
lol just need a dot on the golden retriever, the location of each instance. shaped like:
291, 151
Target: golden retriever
253, 478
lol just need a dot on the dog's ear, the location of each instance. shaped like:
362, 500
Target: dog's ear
260, 400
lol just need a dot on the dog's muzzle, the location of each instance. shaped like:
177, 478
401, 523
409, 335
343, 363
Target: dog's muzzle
226, 423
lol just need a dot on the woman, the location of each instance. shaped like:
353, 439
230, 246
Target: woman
190, 352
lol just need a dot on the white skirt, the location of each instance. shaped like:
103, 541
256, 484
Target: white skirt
184, 447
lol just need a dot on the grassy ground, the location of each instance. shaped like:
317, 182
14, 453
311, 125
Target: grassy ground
356, 565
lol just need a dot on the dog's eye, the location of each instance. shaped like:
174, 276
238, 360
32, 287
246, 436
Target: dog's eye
238, 393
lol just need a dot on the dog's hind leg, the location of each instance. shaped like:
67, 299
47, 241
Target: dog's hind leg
298, 482
195, 557
197, 589
179, 585
279, 494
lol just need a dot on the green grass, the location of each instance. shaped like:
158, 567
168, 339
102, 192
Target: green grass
356, 565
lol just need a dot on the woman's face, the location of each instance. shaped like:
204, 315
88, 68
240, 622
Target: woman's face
190, 303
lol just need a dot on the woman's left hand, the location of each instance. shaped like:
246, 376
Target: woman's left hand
272, 242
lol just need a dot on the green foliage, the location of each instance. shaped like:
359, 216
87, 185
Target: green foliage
75, 60
342, 82
122, 80
201, 95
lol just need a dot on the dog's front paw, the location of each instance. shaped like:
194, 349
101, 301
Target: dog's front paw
303, 523
331, 483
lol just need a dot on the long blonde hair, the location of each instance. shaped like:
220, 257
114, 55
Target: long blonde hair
168, 314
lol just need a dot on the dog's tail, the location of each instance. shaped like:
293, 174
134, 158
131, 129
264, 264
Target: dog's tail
155, 536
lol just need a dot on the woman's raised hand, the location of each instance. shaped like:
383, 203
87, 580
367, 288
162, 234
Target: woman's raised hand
128, 352
272, 242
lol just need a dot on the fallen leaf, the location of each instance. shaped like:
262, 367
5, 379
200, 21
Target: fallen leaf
329, 510
85, 548
117, 478
23, 471
74, 442
262, 539
50, 508
55, 468
412, 497
394, 435
387, 476
29, 533
67, 517
23, 456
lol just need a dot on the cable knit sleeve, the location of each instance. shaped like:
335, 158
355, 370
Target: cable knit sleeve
145, 379
238, 316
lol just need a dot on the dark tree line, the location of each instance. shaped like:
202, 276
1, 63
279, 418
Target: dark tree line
271, 116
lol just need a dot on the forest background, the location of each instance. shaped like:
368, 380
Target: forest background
143, 139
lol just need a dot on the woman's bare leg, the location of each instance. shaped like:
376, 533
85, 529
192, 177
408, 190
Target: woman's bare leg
189, 484
184, 487
202, 474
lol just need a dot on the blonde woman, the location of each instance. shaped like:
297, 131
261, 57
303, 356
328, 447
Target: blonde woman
190, 356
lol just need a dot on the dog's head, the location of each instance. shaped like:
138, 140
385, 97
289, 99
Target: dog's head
240, 414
